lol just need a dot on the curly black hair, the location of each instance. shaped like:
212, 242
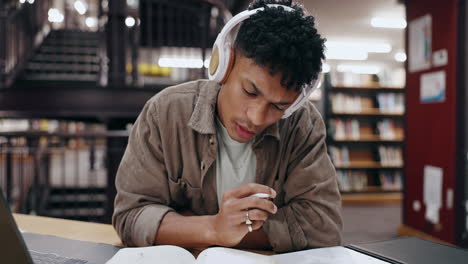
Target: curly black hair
284, 41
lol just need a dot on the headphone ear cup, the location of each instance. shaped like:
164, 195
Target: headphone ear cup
214, 62
232, 58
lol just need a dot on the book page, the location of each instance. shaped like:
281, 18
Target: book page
220, 255
331, 255
152, 255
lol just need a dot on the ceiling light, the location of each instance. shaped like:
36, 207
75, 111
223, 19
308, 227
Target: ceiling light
55, 16
31, 2
132, 3
180, 62
376, 47
380, 22
207, 63
364, 46
400, 56
130, 21
91, 22
334, 54
22, 1
80, 7
358, 69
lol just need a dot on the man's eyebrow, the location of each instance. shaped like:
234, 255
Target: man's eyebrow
257, 91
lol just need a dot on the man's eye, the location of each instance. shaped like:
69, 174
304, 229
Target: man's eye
277, 107
249, 93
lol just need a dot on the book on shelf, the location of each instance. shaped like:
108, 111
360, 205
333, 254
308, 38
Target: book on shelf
340, 156
391, 180
390, 156
387, 156
387, 129
344, 129
351, 129
353, 79
352, 180
391, 103
387, 103
350, 104
386, 78
48, 125
357, 180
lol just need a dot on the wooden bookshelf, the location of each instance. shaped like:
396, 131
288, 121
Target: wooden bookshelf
372, 198
367, 89
369, 138
365, 140
373, 189
367, 165
367, 112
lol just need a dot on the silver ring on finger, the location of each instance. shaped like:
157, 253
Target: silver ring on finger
248, 221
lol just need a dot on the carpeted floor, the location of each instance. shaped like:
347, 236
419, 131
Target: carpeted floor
370, 223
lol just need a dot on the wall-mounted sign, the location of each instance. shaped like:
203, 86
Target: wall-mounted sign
420, 43
432, 89
440, 58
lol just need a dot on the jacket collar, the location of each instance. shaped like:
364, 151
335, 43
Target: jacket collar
203, 115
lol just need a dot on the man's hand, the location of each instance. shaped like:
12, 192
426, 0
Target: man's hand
229, 224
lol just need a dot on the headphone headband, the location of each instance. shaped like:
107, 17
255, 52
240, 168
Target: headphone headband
239, 18
221, 59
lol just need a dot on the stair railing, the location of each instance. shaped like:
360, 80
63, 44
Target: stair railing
59, 174
22, 28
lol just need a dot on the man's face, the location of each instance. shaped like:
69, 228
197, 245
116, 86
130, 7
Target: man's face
252, 99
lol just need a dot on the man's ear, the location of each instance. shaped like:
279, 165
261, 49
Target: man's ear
232, 59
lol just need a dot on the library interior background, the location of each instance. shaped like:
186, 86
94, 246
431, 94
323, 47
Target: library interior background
74, 75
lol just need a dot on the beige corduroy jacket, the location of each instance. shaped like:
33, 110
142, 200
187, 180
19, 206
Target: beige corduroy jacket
169, 164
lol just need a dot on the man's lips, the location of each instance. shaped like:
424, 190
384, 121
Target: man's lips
244, 131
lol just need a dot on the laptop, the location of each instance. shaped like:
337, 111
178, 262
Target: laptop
13, 248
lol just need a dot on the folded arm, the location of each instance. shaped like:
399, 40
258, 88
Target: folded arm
311, 216
143, 197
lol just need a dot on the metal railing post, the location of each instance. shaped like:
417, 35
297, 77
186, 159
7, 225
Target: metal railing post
8, 168
3, 46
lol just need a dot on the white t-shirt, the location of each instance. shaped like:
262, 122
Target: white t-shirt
235, 163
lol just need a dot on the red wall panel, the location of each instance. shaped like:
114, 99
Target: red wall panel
431, 128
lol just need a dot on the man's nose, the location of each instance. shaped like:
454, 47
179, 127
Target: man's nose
257, 114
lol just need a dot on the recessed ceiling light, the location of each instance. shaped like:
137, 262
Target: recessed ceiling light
365, 46
359, 69
400, 56
331, 54
91, 22
380, 22
80, 7
130, 21
180, 62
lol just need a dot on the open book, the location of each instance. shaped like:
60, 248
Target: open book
220, 255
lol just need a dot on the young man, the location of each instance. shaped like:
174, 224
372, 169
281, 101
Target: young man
200, 150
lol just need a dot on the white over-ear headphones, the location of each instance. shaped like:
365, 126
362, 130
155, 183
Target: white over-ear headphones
222, 55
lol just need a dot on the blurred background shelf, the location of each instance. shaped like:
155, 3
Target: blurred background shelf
366, 89
367, 165
368, 198
366, 112
366, 140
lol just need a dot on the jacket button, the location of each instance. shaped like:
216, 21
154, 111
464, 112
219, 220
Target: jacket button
212, 140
